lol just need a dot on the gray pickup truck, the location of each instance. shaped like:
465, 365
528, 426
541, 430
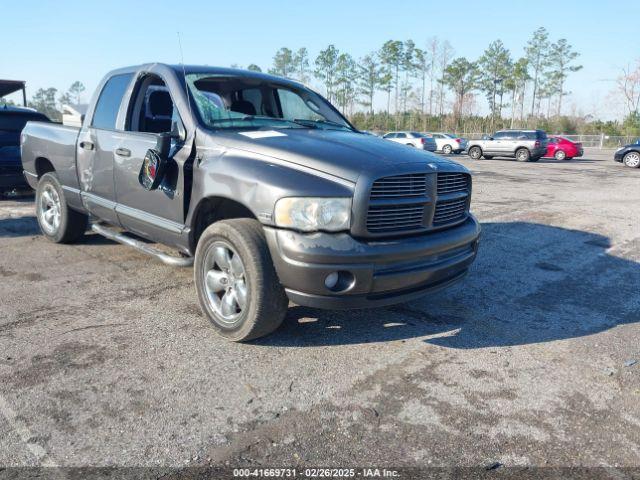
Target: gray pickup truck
523, 145
258, 182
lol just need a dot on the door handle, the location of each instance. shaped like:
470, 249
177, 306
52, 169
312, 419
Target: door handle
123, 152
86, 145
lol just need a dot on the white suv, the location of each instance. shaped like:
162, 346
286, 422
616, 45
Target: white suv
448, 143
413, 139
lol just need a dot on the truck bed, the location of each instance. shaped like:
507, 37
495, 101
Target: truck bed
52, 141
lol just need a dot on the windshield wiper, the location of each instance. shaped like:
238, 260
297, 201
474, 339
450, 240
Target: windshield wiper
314, 123
248, 118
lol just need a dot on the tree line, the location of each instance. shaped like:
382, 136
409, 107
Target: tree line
416, 80
426, 87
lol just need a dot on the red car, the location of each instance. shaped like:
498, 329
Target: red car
562, 149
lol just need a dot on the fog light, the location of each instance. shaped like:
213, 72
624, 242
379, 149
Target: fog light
332, 280
340, 281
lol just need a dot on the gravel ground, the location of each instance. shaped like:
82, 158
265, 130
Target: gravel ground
105, 358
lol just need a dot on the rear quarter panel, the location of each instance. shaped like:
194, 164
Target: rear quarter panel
57, 144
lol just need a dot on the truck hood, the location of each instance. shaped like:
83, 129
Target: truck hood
339, 153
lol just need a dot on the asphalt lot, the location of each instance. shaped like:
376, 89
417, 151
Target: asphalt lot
105, 358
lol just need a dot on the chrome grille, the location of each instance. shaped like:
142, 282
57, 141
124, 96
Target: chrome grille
452, 182
410, 185
394, 218
450, 211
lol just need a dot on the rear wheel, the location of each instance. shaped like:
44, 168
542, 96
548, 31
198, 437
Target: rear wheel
447, 149
560, 155
237, 285
632, 159
523, 155
57, 221
475, 153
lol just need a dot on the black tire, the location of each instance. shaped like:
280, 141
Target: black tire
475, 153
560, 155
632, 159
523, 155
70, 225
265, 301
488, 157
447, 149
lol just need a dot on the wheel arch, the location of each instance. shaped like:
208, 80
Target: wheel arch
212, 209
43, 165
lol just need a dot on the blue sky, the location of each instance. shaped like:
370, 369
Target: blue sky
51, 43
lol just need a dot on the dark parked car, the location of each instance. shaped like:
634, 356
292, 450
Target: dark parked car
629, 155
262, 185
12, 121
523, 145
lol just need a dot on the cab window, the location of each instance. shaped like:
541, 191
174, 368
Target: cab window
108, 106
152, 109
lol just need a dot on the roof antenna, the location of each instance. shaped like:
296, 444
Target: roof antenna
184, 74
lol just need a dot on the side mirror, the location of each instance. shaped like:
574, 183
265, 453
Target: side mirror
155, 163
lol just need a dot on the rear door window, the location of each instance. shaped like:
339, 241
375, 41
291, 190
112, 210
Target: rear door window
108, 106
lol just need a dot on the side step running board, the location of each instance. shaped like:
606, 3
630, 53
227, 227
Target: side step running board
141, 246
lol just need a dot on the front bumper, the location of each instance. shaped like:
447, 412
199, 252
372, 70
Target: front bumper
12, 177
384, 272
619, 155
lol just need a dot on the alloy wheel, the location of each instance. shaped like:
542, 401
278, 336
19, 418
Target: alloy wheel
49, 210
632, 159
225, 282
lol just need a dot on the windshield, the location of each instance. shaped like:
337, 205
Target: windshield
230, 102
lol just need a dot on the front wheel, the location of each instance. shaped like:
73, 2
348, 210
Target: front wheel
237, 284
447, 149
475, 153
560, 155
632, 159
523, 155
57, 221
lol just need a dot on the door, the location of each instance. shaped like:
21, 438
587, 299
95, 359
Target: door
440, 140
94, 150
156, 214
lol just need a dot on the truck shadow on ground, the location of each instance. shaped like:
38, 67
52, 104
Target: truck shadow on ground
19, 226
27, 226
531, 283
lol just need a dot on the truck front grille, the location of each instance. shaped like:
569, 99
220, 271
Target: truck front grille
414, 202
452, 182
394, 218
397, 203
410, 185
450, 211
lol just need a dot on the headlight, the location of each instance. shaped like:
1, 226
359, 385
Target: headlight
313, 213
